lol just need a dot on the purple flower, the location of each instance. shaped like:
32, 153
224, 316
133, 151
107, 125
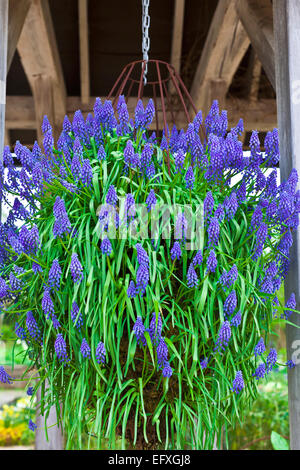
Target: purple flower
20, 332
162, 353
47, 304
155, 328
176, 251
213, 232
85, 349
86, 173
106, 247
271, 359
212, 262
131, 291
290, 363
76, 269
167, 370
192, 279
230, 304
204, 364
228, 278
179, 160
60, 348
238, 382
54, 275
101, 155
180, 227
5, 378
291, 304
260, 371
231, 206
142, 255
237, 319
32, 326
111, 197
139, 331
190, 178
259, 348
31, 425
151, 200
223, 336
30, 391
208, 205
142, 278
198, 258
100, 353
76, 316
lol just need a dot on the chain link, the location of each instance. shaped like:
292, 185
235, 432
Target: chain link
146, 39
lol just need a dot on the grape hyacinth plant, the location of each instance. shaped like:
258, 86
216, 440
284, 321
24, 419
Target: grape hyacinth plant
150, 327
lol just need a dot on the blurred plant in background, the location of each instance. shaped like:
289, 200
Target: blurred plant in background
14, 424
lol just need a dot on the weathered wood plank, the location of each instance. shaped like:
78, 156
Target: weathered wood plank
260, 115
16, 17
3, 66
177, 34
287, 62
84, 50
42, 89
39, 55
253, 76
257, 19
224, 48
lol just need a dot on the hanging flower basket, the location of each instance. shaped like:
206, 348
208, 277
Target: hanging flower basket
146, 295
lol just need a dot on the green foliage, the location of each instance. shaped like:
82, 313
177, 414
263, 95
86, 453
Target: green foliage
128, 397
267, 417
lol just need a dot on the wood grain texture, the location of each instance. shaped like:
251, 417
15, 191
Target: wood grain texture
16, 17
177, 34
3, 68
260, 115
257, 19
224, 48
39, 55
287, 61
84, 50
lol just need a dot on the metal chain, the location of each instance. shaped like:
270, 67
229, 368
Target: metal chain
146, 39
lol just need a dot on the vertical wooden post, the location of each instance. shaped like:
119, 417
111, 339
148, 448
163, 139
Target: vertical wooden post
55, 436
287, 60
3, 67
84, 50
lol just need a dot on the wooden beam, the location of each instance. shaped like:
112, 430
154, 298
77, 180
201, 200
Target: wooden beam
224, 48
16, 17
3, 65
84, 50
260, 115
39, 55
42, 88
177, 33
257, 19
253, 76
287, 62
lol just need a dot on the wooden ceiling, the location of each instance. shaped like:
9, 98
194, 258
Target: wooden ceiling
70, 51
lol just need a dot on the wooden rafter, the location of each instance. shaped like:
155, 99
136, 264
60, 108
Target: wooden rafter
224, 48
177, 34
3, 65
253, 76
84, 50
257, 19
260, 115
16, 17
40, 58
287, 55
